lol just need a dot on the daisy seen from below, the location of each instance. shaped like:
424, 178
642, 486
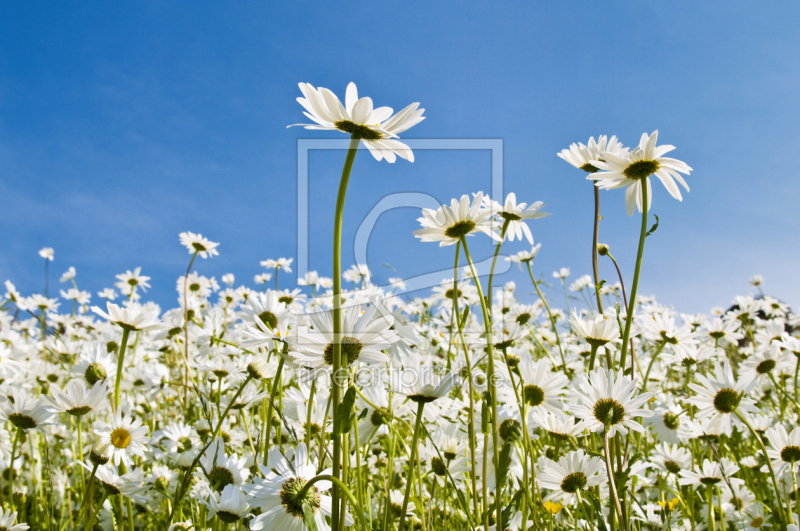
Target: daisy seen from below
448, 224
573, 473
230, 506
631, 169
581, 156
196, 244
606, 400
25, 412
514, 216
76, 400
281, 497
7, 519
784, 450
364, 336
376, 128
130, 318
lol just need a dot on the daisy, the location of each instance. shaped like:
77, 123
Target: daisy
24, 411
47, 253
582, 156
8, 366
514, 214
130, 280
784, 451
7, 519
719, 394
767, 364
284, 264
448, 224
671, 458
127, 437
525, 256
130, 318
196, 244
601, 331
542, 389
421, 383
559, 426
230, 506
376, 128
223, 470
572, 473
606, 401
723, 330
630, 169
130, 485
711, 473
363, 338
108, 293
76, 401
278, 495
266, 312
666, 422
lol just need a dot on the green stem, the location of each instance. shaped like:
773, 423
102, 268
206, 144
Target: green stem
411, 459
337, 318
487, 323
550, 314
635, 285
271, 406
650, 365
120, 359
612, 483
595, 237
778, 501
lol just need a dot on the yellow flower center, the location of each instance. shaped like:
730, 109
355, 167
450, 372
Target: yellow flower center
120, 438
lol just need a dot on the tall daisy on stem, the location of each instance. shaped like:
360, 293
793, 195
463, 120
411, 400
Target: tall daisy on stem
581, 156
378, 130
632, 170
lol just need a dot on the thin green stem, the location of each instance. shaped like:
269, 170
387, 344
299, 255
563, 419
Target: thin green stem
550, 314
337, 318
411, 460
635, 285
120, 359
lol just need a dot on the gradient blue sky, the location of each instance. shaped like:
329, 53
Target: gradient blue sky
125, 123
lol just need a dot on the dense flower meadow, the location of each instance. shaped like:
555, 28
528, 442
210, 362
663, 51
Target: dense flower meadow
339, 403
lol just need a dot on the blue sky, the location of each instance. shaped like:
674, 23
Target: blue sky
125, 123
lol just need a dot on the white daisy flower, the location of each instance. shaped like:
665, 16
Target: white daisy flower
542, 389
278, 495
195, 243
711, 473
606, 400
130, 318
784, 450
76, 400
629, 169
720, 393
376, 128
514, 214
573, 472
230, 506
7, 519
24, 411
127, 437
448, 224
582, 156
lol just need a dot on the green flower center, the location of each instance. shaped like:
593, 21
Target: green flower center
79, 411
510, 216
574, 482
287, 300
199, 247
790, 454
716, 335
269, 319
765, 366
220, 477
608, 411
459, 229
351, 348
358, 131
23, 422
671, 420
438, 466
111, 489
184, 444
726, 400
641, 169
449, 294
672, 466
377, 418
510, 430
523, 318
588, 168
290, 497
709, 481
95, 373
534, 395
228, 517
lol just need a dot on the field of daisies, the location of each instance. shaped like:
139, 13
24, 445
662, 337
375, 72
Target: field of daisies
340, 404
